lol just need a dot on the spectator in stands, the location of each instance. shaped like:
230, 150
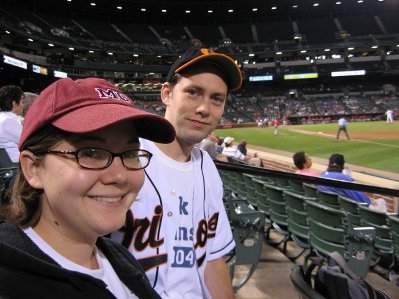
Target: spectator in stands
231, 151
242, 147
342, 123
389, 114
303, 162
334, 171
182, 198
80, 170
219, 145
11, 107
209, 145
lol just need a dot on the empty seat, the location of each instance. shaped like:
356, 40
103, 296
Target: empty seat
328, 198
310, 190
352, 208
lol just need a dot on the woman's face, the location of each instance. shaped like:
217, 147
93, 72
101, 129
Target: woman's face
82, 204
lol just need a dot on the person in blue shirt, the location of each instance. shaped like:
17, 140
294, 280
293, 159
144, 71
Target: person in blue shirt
334, 171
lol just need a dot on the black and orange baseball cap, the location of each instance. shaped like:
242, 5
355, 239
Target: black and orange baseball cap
195, 56
87, 105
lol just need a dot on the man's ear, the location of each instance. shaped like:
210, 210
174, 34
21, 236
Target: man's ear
166, 93
30, 169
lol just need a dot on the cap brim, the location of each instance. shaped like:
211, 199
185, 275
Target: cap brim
229, 67
91, 118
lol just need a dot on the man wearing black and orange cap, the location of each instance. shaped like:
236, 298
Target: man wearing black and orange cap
180, 228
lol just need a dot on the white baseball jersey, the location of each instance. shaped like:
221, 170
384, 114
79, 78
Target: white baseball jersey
180, 223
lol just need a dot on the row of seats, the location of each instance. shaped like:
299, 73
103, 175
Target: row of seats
319, 222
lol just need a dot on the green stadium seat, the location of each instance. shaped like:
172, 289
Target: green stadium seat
383, 241
328, 198
278, 213
394, 229
298, 225
351, 207
310, 190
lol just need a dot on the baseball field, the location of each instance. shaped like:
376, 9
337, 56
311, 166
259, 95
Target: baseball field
372, 145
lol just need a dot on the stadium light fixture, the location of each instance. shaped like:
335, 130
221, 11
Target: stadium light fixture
119, 7
254, 9
188, 11
315, 4
351, 48
274, 7
8, 32
71, 48
69, 0
93, 4
164, 11
303, 51
210, 11
143, 9
230, 10
51, 45
374, 47
135, 55
327, 50
360, 1
251, 54
294, 6
338, 3
29, 39
279, 53
91, 51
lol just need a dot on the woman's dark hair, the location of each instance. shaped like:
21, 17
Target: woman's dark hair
24, 208
299, 160
8, 94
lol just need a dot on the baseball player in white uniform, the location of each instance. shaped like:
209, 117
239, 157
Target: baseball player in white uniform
389, 115
178, 228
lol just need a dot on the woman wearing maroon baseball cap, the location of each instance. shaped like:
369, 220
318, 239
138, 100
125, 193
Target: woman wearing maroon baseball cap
81, 168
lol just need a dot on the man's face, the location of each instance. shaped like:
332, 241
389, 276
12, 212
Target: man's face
195, 105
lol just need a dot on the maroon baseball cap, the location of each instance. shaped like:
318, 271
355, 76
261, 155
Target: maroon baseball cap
195, 56
86, 105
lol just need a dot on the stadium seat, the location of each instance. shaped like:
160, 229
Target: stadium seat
394, 229
383, 240
327, 229
298, 225
351, 207
278, 213
328, 198
296, 186
310, 190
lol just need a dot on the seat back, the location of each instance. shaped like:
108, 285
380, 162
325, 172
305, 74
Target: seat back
352, 208
394, 228
296, 186
310, 190
327, 228
328, 198
298, 224
278, 207
378, 220
261, 196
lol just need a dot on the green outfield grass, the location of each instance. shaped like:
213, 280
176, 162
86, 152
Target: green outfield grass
380, 154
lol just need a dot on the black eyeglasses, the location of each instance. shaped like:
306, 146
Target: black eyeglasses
95, 158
